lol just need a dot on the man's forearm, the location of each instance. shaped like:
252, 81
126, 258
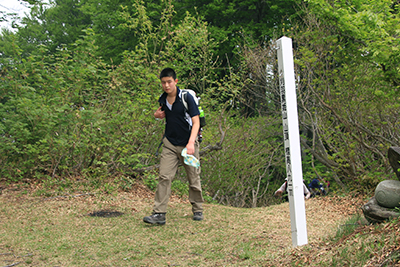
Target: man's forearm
195, 129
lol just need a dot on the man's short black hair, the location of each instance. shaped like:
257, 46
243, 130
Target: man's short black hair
168, 72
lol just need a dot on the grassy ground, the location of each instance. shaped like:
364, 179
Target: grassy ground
100, 229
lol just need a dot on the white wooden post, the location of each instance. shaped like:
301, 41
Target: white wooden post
292, 142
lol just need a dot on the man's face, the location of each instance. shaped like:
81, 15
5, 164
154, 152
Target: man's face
169, 84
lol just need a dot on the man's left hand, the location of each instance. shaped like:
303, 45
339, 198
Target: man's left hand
190, 149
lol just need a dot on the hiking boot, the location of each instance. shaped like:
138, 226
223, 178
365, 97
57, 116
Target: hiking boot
155, 218
198, 216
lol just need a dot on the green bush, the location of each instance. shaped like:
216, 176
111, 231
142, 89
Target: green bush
250, 165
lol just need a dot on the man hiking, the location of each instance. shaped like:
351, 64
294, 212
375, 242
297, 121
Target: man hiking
182, 127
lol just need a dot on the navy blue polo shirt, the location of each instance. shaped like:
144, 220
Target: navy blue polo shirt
177, 128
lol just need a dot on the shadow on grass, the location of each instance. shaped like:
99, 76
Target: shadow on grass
105, 213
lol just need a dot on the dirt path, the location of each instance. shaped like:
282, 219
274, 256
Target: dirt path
324, 215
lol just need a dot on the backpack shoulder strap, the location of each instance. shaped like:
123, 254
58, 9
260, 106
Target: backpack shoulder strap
184, 99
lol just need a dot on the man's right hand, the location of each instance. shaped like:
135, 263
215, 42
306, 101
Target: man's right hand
159, 114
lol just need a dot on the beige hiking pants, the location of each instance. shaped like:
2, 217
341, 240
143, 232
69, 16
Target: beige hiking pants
170, 159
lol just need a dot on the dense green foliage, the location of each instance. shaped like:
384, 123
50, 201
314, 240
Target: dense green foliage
79, 85
349, 92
